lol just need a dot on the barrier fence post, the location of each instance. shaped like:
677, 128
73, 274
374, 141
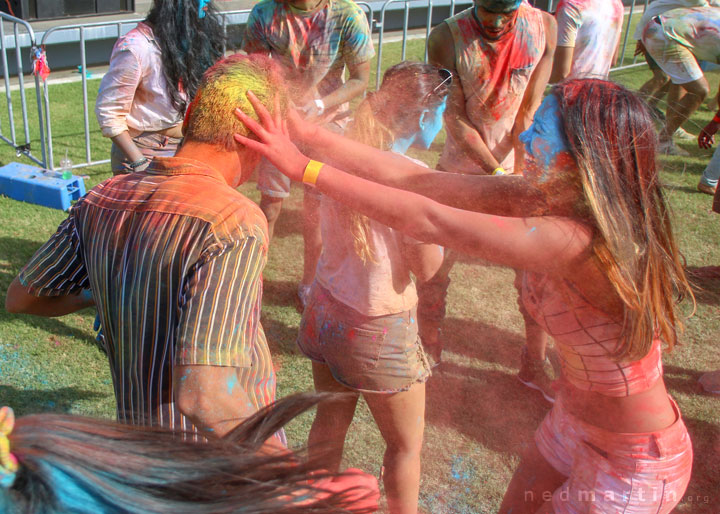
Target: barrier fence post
428, 28
8, 96
25, 147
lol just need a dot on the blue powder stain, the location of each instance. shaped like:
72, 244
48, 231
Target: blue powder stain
547, 131
456, 471
231, 383
531, 231
73, 494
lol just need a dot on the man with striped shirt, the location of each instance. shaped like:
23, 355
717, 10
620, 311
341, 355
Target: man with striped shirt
173, 257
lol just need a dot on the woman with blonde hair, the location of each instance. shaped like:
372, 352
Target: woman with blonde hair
602, 274
361, 322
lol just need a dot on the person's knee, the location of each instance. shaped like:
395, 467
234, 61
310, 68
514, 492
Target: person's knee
405, 446
698, 88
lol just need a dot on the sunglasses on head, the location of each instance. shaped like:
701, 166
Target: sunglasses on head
446, 80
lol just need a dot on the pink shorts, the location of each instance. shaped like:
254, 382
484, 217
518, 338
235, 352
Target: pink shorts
611, 472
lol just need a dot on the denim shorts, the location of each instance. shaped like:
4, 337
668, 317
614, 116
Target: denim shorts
379, 354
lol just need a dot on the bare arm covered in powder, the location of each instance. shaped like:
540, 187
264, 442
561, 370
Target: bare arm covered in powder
357, 82
502, 195
547, 244
441, 51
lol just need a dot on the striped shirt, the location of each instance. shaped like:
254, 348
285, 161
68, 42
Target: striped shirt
174, 258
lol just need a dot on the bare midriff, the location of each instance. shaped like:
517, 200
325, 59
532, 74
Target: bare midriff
174, 131
648, 411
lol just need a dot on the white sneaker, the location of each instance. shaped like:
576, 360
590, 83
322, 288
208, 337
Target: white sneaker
684, 135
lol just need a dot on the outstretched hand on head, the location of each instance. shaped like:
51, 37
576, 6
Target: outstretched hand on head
274, 139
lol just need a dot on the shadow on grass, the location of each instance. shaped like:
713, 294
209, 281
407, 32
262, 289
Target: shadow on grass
704, 487
280, 337
482, 341
681, 380
489, 406
684, 189
17, 252
279, 292
53, 325
44, 400
289, 223
706, 283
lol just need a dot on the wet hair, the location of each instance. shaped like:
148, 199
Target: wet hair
93, 465
612, 137
393, 111
224, 87
189, 45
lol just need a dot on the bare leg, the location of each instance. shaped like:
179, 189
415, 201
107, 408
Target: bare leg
532, 485
271, 207
311, 235
332, 420
401, 420
681, 107
655, 88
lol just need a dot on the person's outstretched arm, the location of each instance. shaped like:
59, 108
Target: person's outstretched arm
54, 282
502, 195
549, 244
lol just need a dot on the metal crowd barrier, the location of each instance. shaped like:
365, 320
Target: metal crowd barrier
24, 148
228, 19
428, 4
82, 29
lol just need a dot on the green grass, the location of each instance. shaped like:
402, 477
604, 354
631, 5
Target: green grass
479, 418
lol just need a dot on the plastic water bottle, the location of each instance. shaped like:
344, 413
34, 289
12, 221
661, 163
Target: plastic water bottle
66, 167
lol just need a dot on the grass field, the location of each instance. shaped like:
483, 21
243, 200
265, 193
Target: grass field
479, 417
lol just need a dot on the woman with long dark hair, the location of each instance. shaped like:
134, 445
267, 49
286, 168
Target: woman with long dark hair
602, 276
52, 464
155, 70
361, 323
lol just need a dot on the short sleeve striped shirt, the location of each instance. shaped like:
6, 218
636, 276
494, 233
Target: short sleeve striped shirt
174, 258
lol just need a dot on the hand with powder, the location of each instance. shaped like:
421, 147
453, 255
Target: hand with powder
274, 139
359, 489
706, 138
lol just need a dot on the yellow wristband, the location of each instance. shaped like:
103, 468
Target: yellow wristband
499, 171
312, 170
